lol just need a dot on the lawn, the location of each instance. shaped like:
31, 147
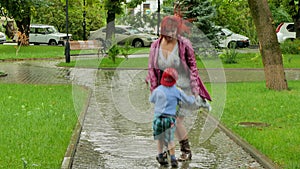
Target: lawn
252, 102
11, 52
37, 122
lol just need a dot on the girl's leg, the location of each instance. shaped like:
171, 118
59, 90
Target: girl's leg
171, 147
181, 132
182, 136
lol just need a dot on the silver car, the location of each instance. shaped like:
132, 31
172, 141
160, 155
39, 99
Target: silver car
125, 34
2, 38
229, 39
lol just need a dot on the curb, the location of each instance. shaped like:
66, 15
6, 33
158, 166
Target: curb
70, 152
261, 158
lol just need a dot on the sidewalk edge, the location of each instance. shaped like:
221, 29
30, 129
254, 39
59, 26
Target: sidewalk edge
70, 152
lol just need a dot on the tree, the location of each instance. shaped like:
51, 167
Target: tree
20, 10
269, 47
53, 13
295, 9
134, 3
236, 16
113, 8
292, 7
201, 13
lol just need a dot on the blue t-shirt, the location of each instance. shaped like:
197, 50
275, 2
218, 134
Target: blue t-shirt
166, 99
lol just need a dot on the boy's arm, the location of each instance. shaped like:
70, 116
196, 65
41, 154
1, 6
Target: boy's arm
185, 98
152, 97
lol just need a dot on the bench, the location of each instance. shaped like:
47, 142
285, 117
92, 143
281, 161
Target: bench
88, 45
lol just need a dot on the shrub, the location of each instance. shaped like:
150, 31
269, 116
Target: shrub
290, 47
229, 56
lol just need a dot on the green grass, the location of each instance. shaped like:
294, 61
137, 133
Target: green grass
252, 102
254, 60
37, 122
11, 52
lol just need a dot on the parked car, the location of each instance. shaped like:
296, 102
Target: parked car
2, 38
229, 39
46, 34
125, 34
285, 31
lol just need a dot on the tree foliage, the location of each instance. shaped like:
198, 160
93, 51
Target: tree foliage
201, 13
134, 3
20, 10
54, 14
235, 15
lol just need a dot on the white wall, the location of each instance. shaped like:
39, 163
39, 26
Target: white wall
153, 6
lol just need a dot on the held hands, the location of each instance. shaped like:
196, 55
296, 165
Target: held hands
202, 103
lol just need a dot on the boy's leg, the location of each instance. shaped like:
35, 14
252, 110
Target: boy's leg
171, 143
158, 132
160, 146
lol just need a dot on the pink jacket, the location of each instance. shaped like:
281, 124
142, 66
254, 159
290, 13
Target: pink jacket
187, 57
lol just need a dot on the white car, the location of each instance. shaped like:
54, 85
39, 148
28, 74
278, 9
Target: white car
229, 39
46, 34
285, 31
2, 38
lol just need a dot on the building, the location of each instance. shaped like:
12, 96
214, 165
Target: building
147, 7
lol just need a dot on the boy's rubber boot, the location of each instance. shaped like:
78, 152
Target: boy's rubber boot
162, 161
186, 153
174, 163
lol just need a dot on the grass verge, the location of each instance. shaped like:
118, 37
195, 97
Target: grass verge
252, 102
10, 52
37, 122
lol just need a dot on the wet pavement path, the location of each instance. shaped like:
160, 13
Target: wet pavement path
115, 136
116, 132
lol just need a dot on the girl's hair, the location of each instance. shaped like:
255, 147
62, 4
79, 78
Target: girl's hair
171, 22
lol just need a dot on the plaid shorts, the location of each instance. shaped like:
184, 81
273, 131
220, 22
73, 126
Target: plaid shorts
164, 128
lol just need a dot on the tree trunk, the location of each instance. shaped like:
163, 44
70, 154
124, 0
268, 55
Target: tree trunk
110, 27
269, 46
24, 28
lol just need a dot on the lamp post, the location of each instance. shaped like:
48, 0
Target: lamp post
84, 23
158, 16
67, 45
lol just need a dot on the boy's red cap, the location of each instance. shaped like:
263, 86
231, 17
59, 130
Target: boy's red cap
169, 77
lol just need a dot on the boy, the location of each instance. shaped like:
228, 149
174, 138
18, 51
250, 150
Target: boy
166, 98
